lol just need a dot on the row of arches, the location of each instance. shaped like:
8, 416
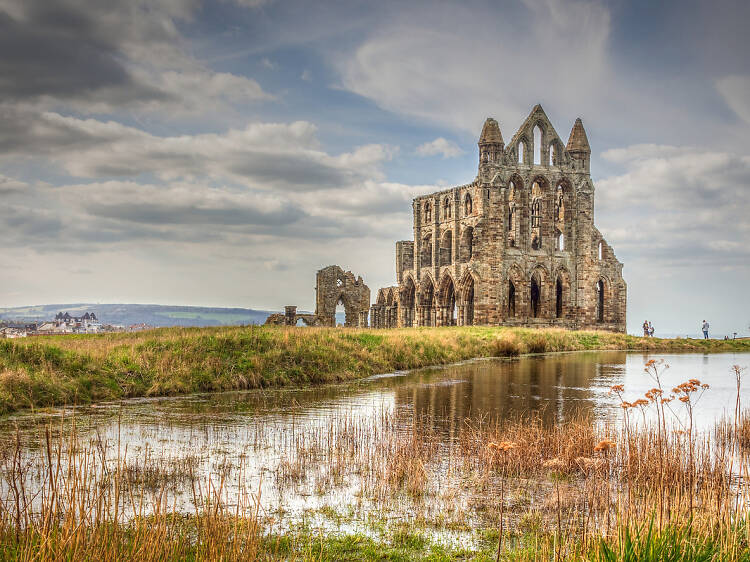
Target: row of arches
444, 305
447, 204
539, 151
445, 248
522, 298
536, 297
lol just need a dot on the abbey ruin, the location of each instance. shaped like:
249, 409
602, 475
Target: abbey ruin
333, 287
517, 246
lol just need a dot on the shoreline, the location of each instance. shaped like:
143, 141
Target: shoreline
80, 370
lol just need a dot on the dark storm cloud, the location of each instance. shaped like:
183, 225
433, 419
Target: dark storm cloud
59, 52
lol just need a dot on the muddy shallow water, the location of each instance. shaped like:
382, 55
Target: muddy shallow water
277, 441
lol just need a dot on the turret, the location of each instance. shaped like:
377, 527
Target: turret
578, 147
491, 143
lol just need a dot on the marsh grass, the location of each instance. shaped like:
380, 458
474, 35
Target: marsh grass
517, 489
80, 369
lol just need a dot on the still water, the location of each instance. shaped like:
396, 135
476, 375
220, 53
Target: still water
267, 432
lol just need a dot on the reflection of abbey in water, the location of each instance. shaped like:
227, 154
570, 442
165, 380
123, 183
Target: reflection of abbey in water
558, 387
517, 246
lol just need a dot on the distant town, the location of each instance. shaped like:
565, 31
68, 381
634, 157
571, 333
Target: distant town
62, 324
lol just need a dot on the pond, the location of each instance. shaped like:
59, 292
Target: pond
309, 449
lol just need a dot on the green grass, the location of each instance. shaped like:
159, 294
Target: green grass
55, 370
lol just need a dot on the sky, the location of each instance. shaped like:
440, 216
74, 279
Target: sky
218, 153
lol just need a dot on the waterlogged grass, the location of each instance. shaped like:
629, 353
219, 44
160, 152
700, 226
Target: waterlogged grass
55, 370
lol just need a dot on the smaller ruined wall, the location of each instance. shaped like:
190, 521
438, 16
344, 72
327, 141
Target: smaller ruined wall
334, 286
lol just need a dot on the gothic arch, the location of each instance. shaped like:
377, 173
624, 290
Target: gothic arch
407, 301
466, 247
446, 301
334, 286
446, 248
603, 299
466, 299
426, 298
538, 292
515, 212
562, 293
512, 292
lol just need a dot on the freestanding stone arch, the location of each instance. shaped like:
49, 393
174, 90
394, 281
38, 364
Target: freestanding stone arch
333, 286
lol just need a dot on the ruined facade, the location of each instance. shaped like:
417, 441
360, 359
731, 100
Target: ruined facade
333, 286
517, 246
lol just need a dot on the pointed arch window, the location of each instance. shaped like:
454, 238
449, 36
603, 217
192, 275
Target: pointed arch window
560, 218
600, 251
447, 208
521, 152
536, 216
426, 251
427, 212
468, 209
537, 145
600, 301
512, 216
536, 295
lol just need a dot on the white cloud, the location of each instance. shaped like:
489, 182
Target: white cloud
265, 62
306, 75
285, 156
455, 66
680, 206
448, 149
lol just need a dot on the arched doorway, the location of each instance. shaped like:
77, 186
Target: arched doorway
536, 295
466, 310
447, 305
427, 304
408, 300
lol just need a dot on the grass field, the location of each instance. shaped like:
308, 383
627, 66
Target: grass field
55, 370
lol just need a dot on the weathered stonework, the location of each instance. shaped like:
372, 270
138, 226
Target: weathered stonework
333, 286
517, 246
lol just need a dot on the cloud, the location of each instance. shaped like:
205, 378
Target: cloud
9, 185
265, 62
94, 57
677, 206
454, 66
735, 90
447, 148
284, 156
306, 75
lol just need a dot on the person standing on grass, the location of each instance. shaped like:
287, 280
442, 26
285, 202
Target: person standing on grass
704, 327
645, 328
650, 330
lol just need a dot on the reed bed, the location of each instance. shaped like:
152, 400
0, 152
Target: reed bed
80, 369
517, 489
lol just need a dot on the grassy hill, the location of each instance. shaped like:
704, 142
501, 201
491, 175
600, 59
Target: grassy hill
152, 314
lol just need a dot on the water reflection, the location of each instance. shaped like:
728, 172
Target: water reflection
557, 387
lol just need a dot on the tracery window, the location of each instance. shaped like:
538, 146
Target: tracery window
536, 216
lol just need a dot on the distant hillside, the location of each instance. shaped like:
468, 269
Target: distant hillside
152, 314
